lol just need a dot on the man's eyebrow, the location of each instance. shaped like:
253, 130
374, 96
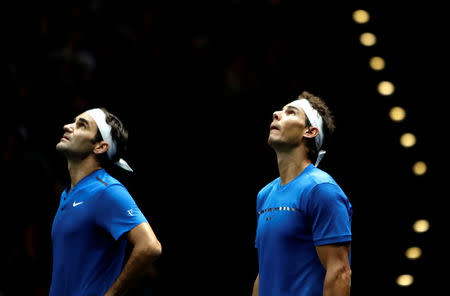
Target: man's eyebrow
82, 119
292, 107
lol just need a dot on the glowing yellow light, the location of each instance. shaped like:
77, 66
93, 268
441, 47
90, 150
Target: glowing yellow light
405, 280
368, 39
386, 88
419, 168
397, 114
407, 140
361, 16
421, 226
413, 253
377, 63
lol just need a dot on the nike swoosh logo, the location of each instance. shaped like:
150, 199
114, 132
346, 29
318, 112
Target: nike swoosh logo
77, 203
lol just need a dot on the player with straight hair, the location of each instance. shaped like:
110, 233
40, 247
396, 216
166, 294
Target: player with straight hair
96, 215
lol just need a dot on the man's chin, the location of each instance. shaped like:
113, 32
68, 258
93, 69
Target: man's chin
273, 142
280, 144
61, 147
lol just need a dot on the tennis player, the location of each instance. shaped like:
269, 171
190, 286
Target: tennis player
97, 216
303, 234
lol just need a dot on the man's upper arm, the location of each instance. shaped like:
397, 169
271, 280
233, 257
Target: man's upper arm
335, 259
335, 256
119, 212
142, 234
330, 215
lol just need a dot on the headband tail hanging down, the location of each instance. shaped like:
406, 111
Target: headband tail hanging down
320, 155
124, 165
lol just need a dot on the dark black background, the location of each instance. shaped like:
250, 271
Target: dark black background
196, 83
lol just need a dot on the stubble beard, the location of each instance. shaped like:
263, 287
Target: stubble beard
276, 144
281, 146
70, 154
61, 148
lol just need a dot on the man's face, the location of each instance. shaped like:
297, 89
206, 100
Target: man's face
77, 140
288, 126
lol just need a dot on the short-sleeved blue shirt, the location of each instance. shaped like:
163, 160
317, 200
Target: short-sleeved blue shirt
293, 219
88, 250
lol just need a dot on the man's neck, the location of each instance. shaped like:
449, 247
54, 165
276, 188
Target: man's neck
291, 163
78, 169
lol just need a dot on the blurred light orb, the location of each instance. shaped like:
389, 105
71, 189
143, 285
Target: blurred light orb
361, 16
419, 168
397, 114
408, 140
413, 253
368, 39
386, 88
421, 226
377, 63
405, 280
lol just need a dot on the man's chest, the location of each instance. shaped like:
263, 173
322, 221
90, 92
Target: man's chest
282, 217
75, 216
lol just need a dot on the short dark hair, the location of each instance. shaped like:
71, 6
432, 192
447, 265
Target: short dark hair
119, 135
328, 123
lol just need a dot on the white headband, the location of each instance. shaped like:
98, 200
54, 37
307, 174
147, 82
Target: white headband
316, 121
105, 130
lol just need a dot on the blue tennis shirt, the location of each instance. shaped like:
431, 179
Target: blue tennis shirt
88, 250
293, 219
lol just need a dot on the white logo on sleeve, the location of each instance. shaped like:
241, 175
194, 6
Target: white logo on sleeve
77, 203
130, 212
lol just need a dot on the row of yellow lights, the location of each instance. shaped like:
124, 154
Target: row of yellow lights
387, 88
413, 253
407, 140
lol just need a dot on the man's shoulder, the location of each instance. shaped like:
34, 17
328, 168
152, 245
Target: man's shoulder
316, 176
269, 187
322, 186
105, 179
109, 180
104, 184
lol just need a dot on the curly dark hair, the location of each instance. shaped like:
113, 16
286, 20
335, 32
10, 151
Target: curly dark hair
119, 135
328, 123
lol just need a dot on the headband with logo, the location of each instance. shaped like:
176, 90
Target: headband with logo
105, 130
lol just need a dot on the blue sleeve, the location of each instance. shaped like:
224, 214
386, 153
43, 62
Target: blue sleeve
330, 214
119, 212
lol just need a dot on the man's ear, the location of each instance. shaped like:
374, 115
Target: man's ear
101, 147
311, 132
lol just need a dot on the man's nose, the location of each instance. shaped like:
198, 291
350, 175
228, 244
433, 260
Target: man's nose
277, 115
68, 127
